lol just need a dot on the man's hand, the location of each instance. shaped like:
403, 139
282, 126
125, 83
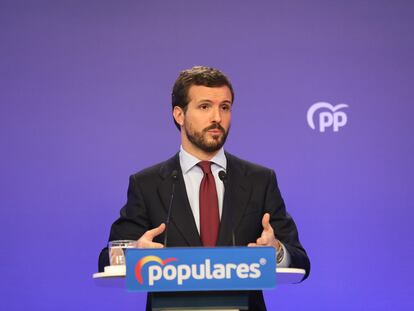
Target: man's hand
145, 241
268, 236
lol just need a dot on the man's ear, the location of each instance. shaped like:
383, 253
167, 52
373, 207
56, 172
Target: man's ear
178, 114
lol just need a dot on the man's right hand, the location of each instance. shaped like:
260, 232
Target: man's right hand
145, 241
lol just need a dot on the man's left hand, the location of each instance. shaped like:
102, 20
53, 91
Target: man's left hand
268, 235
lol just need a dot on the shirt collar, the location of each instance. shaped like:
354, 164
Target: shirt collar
188, 161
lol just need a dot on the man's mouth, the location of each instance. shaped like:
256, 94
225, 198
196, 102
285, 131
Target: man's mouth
215, 130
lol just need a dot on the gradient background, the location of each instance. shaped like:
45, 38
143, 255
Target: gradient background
85, 102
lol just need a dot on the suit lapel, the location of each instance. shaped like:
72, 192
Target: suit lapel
181, 214
236, 197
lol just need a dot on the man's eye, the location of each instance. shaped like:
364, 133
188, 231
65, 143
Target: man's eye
204, 107
225, 108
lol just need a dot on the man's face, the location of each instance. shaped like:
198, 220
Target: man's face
206, 122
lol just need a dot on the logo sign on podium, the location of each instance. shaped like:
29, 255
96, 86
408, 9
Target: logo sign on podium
200, 269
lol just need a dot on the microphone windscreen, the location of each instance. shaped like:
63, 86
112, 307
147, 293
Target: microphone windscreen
222, 175
174, 175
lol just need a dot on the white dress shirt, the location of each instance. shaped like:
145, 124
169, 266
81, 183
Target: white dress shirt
193, 175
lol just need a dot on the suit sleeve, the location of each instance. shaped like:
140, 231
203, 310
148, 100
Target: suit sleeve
132, 223
284, 227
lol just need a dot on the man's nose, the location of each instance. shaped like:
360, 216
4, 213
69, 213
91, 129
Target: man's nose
216, 115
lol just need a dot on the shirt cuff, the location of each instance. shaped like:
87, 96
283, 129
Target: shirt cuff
285, 262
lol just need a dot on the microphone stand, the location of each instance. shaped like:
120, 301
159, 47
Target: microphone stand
223, 177
174, 177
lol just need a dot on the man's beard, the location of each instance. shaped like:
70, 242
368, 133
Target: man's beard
199, 138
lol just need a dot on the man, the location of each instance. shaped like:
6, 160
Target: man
246, 209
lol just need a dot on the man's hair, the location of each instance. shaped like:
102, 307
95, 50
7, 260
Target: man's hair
198, 75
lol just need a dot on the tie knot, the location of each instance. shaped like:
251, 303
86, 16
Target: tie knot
205, 166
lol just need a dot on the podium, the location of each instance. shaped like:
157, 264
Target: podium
219, 278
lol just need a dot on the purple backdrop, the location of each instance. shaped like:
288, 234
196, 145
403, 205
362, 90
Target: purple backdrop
85, 102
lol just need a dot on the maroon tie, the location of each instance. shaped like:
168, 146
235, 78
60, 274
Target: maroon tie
209, 211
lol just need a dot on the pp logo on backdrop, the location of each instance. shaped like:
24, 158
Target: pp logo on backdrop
328, 116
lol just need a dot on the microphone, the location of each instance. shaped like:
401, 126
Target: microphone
174, 177
223, 177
